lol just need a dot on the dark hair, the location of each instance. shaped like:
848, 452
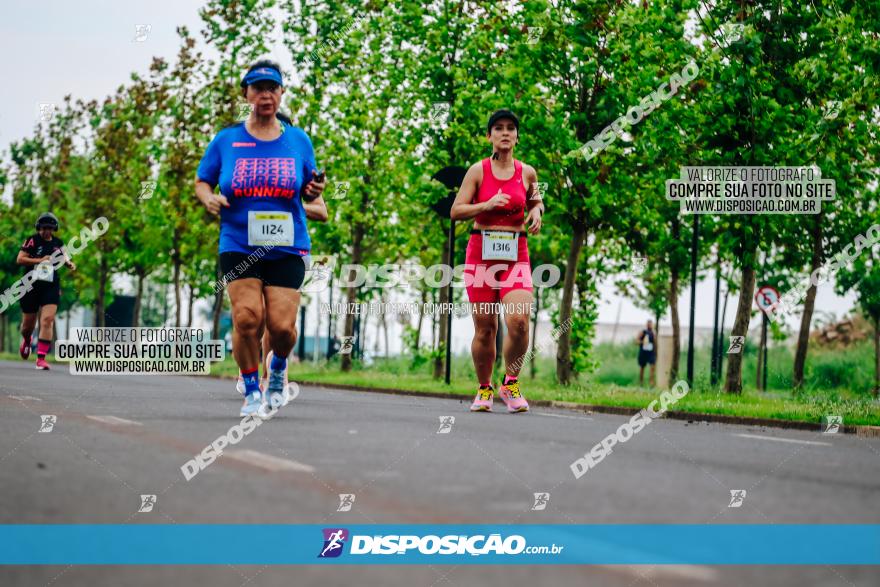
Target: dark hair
258, 64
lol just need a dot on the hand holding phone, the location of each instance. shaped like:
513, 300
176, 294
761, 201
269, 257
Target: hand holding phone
309, 194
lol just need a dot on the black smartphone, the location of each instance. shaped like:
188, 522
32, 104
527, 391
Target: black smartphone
318, 177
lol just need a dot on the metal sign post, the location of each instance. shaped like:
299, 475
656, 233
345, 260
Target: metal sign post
451, 177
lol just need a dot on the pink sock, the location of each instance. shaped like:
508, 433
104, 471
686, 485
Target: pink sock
43, 347
508, 379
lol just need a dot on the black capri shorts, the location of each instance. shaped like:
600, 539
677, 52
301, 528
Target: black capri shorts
287, 271
43, 294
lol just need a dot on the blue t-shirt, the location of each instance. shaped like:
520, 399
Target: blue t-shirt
264, 176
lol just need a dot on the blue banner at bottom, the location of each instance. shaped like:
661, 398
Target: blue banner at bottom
214, 544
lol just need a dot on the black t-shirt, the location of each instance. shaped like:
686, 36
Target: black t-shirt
37, 247
649, 334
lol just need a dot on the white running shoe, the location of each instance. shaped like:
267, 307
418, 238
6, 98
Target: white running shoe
277, 388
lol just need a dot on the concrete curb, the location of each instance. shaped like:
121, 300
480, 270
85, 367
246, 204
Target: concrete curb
864, 431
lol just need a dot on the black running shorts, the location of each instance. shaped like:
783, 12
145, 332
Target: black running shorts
646, 358
288, 271
43, 294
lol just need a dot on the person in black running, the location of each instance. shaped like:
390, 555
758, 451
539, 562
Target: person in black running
647, 352
45, 294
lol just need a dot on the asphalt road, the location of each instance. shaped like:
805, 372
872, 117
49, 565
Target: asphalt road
117, 437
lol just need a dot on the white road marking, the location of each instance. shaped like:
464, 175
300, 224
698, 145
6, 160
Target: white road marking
25, 398
777, 439
267, 462
563, 416
114, 421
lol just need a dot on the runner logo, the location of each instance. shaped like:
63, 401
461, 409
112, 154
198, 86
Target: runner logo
831, 110
346, 500
638, 265
832, 424
141, 32
147, 189
736, 345
147, 503
539, 191
736, 498
334, 540
535, 33
47, 111
318, 273
446, 423
541, 501
440, 112
730, 33
47, 423
340, 189
346, 347
244, 110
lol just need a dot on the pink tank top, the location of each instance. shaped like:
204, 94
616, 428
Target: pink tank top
514, 213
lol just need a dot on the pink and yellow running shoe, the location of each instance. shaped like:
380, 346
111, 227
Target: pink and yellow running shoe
483, 401
512, 396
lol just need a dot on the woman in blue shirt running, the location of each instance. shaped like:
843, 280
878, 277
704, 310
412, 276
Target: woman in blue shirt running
266, 171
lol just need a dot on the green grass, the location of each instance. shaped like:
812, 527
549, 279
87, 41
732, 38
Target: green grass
838, 382
616, 384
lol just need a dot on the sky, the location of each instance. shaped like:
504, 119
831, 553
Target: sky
87, 49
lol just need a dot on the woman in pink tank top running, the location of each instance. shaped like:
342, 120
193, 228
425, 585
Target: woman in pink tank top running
500, 194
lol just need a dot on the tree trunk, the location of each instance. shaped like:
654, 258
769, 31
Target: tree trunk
714, 370
379, 320
563, 350
419, 323
385, 325
657, 334
362, 334
733, 382
535, 332
759, 372
434, 321
351, 291
676, 325
177, 308
3, 320
800, 355
138, 297
876, 356
721, 346
102, 289
189, 308
440, 358
164, 304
